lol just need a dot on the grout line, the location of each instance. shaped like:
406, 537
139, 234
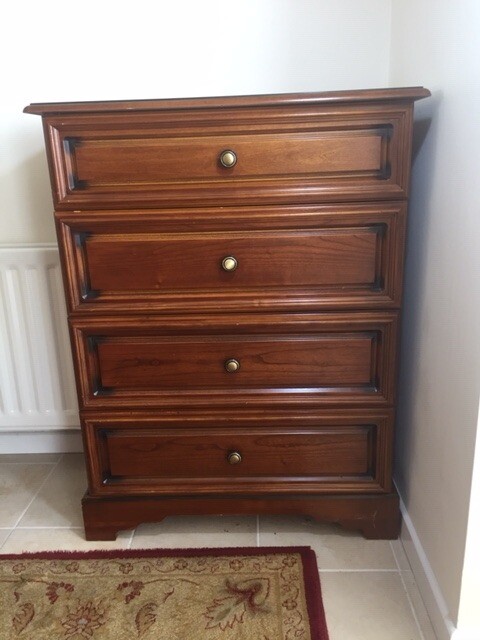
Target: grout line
394, 556
37, 492
258, 530
131, 539
412, 608
31, 501
410, 602
8, 536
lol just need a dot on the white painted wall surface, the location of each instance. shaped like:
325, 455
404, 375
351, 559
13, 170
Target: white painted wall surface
436, 43
61, 51
99, 50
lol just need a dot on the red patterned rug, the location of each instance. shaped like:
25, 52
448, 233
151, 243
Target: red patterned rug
270, 593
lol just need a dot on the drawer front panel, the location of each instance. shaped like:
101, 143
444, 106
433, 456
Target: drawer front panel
332, 453
275, 359
333, 257
264, 259
151, 363
279, 155
191, 455
122, 161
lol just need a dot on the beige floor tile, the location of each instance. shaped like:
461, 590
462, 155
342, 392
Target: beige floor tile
336, 548
34, 458
59, 502
29, 540
4, 533
203, 531
18, 484
367, 606
417, 602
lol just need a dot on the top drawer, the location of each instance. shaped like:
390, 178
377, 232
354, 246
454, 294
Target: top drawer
228, 155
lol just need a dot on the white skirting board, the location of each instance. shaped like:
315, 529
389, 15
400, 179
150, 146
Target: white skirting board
428, 586
52, 441
37, 388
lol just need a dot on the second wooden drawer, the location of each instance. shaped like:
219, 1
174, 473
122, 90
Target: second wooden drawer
247, 359
280, 258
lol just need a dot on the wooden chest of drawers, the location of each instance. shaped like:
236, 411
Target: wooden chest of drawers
233, 275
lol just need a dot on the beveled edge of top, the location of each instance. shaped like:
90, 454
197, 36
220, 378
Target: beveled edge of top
279, 99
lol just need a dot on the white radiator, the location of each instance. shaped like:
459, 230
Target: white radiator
37, 389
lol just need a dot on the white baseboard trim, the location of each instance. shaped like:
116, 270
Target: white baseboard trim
427, 583
60, 441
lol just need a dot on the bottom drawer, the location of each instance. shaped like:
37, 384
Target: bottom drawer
172, 456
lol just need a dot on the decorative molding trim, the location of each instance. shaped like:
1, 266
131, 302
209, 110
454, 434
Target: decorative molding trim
37, 389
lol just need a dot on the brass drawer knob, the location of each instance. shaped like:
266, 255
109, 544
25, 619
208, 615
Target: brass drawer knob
229, 263
232, 365
234, 458
228, 158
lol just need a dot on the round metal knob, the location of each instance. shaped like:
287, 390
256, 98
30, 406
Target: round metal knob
232, 365
228, 158
229, 263
234, 457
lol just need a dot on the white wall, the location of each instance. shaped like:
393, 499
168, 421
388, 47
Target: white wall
93, 50
62, 51
436, 43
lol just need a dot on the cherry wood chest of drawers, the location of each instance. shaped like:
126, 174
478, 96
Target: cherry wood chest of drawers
233, 276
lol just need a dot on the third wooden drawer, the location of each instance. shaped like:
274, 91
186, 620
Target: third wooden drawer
241, 360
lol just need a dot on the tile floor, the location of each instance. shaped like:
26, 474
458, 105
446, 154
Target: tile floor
368, 588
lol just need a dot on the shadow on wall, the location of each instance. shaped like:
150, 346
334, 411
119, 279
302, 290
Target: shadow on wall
421, 218
421, 128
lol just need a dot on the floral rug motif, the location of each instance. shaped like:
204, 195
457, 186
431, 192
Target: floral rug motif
197, 594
